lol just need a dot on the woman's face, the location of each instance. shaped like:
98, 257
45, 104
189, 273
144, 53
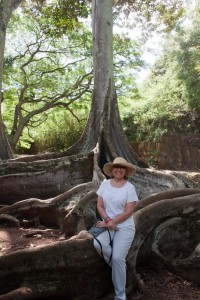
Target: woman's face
119, 172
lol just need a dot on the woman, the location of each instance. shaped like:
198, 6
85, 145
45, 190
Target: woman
116, 201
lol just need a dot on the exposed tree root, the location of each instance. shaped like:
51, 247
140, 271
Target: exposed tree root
51, 211
20, 293
176, 246
165, 195
151, 216
7, 218
56, 269
43, 179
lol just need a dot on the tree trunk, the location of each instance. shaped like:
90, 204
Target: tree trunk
6, 9
104, 124
5, 149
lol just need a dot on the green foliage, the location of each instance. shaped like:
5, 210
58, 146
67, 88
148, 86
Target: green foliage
58, 133
177, 68
188, 72
151, 14
170, 97
56, 17
141, 126
127, 61
70, 9
42, 72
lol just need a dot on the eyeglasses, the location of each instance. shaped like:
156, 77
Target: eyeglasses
119, 167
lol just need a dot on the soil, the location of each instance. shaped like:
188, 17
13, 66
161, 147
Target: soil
161, 285
164, 285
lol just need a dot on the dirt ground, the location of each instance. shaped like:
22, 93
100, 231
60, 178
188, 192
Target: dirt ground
160, 285
166, 286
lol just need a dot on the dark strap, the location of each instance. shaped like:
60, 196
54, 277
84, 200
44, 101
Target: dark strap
111, 242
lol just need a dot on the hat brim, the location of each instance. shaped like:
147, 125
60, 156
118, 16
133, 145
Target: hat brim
130, 169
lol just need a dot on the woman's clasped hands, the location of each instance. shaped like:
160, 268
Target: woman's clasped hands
109, 223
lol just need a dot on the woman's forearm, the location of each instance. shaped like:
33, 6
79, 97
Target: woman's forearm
122, 217
102, 212
126, 214
101, 208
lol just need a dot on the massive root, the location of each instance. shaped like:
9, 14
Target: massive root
70, 268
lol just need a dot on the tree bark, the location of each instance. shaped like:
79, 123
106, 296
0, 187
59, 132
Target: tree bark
43, 178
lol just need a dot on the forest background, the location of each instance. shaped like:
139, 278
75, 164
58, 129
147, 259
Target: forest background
48, 82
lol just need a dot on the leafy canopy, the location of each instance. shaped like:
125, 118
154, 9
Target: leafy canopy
170, 97
45, 73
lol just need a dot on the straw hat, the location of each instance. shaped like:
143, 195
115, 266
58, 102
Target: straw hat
119, 161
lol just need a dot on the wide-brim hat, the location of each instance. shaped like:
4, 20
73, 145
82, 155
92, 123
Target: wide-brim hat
119, 161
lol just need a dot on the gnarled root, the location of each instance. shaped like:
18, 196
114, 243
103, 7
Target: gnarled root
176, 246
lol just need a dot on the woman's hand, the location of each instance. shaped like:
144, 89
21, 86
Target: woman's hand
101, 224
111, 225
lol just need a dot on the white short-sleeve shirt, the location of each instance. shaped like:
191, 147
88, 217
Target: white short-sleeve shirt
115, 199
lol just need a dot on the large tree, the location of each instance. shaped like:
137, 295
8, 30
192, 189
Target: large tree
42, 73
104, 125
6, 9
71, 268
48, 72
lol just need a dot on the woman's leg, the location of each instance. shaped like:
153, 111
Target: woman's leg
121, 244
104, 240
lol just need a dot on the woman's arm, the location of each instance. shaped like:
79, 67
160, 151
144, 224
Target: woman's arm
100, 207
129, 209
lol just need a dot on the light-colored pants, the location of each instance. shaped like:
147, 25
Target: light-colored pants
122, 240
